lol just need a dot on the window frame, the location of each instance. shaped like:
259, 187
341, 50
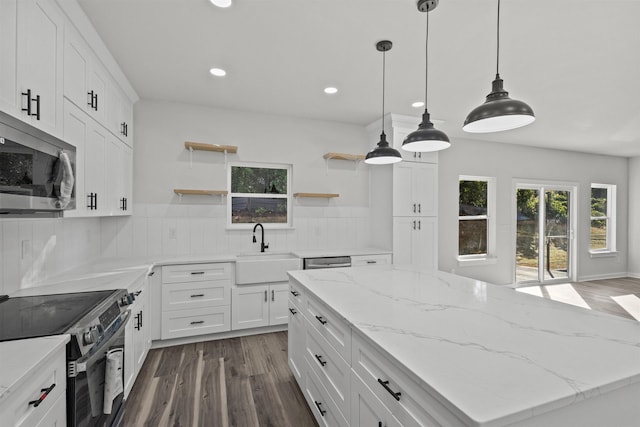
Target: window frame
610, 218
490, 217
288, 196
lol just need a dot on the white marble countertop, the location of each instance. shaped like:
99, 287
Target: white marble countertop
491, 355
19, 358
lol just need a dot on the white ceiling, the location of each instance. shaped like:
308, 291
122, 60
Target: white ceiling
576, 62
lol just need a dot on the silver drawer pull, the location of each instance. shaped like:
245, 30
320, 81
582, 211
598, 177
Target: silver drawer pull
372, 262
197, 272
197, 322
197, 295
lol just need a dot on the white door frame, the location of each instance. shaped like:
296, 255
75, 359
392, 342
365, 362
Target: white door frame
542, 186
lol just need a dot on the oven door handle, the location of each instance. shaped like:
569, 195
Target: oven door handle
80, 365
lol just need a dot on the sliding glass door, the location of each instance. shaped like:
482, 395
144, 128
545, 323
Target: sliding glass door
543, 234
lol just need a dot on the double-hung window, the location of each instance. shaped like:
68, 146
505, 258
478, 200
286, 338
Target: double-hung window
603, 213
476, 216
259, 193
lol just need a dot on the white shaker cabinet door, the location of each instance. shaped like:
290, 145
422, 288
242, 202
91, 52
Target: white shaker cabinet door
8, 52
249, 307
415, 241
278, 307
415, 189
40, 58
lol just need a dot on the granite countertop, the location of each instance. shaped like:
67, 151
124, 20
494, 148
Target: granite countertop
20, 357
490, 354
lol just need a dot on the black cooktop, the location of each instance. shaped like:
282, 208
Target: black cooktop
43, 315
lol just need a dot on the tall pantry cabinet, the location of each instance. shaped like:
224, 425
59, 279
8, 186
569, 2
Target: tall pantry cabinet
404, 198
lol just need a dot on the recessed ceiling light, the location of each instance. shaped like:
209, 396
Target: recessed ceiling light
418, 104
221, 3
330, 90
218, 72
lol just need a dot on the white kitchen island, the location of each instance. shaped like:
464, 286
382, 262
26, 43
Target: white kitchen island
393, 345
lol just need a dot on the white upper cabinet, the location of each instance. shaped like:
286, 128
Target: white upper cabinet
40, 41
85, 80
119, 118
8, 53
415, 189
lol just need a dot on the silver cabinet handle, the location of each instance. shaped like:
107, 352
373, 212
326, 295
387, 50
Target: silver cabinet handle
273, 295
265, 296
371, 262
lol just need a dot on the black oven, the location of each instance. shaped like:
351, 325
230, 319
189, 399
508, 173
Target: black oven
96, 322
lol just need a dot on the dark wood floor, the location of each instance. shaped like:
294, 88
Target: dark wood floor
237, 382
597, 294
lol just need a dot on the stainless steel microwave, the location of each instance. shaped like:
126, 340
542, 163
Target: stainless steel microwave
37, 170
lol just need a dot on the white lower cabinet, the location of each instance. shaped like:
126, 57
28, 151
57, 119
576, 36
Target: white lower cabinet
322, 406
195, 299
137, 341
46, 383
296, 341
368, 260
254, 306
366, 408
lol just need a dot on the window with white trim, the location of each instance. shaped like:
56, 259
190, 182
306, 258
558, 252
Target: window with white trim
259, 193
476, 216
603, 218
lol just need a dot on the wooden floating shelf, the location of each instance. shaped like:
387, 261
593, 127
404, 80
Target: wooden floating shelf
317, 195
211, 147
344, 156
181, 192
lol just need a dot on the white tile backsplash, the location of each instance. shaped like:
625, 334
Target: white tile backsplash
32, 250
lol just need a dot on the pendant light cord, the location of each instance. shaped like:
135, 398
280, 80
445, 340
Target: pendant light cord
498, 43
384, 66
426, 65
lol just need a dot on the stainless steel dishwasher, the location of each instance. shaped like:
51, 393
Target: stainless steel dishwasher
326, 262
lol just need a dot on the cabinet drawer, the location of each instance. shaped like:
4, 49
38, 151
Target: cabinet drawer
200, 321
296, 294
364, 260
296, 341
331, 369
366, 408
322, 406
17, 410
178, 296
330, 326
412, 405
56, 416
196, 272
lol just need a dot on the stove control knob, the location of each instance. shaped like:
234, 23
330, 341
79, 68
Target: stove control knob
91, 335
127, 300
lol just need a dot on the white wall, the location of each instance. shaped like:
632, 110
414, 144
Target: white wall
164, 225
508, 162
32, 250
634, 217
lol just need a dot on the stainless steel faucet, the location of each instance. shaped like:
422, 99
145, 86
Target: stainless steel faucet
262, 245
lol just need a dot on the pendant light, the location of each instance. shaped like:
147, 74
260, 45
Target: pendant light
427, 137
499, 112
383, 154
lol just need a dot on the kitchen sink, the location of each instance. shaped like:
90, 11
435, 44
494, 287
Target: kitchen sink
265, 267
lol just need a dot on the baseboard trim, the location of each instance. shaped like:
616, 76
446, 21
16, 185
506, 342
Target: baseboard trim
604, 276
634, 275
218, 336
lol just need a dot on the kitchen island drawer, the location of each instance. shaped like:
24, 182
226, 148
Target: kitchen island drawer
178, 296
322, 406
200, 321
47, 383
411, 404
332, 370
196, 272
296, 293
332, 327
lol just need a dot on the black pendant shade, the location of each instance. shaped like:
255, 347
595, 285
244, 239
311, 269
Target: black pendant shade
383, 153
426, 137
499, 112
